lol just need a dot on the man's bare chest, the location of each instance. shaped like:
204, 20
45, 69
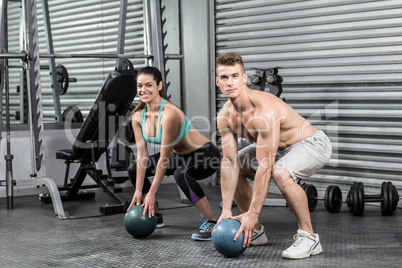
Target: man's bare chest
244, 127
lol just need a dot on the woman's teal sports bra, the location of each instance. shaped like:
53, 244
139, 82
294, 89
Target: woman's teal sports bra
184, 129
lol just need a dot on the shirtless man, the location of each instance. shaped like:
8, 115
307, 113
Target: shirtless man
285, 147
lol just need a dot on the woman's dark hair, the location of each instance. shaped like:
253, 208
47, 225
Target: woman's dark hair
156, 74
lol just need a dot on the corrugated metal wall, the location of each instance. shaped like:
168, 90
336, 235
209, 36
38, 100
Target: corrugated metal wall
342, 63
79, 27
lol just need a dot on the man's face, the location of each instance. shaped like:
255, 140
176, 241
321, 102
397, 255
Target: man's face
231, 80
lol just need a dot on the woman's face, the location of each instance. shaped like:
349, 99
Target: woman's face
147, 88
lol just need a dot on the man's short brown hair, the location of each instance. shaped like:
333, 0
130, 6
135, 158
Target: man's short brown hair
230, 59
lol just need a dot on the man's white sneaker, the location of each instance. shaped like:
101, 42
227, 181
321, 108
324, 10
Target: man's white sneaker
304, 246
259, 238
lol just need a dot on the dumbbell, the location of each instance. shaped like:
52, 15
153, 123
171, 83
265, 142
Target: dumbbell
356, 198
332, 198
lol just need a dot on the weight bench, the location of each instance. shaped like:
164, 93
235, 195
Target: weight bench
103, 121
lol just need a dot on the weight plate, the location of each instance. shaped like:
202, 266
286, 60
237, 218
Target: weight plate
355, 202
62, 78
72, 114
390, 198
350, 200
395, 197
358, 208
384, 199
354, 197
362, 196
311, 193
327, 198
334, 199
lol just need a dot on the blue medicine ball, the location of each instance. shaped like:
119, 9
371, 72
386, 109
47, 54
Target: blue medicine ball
138, 225
223, 235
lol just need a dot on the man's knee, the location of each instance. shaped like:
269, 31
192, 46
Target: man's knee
281, 176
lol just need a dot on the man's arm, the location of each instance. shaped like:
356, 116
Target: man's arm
266, 151
267, 146
229, 165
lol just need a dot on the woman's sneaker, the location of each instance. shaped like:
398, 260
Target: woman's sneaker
259, 238
304, 246
205, 231
159, 220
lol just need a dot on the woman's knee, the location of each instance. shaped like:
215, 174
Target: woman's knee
188, 185
178, 175
132, 171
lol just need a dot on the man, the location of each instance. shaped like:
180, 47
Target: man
285, 147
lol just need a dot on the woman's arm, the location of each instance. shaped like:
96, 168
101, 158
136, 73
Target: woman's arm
170, 123
141, 161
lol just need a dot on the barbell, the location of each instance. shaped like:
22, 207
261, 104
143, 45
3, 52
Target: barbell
23, 55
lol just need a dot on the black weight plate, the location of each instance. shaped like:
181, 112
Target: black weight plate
350, 198
327, 198
72, 114
358, 208
384, 199
311, 193
354, 197
337, 199
355, 203
62, 78
334, 199
390, 198
395, 197
361, 196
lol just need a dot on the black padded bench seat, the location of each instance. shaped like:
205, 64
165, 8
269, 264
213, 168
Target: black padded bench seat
66, 154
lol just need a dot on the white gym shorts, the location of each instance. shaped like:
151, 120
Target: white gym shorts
301, 160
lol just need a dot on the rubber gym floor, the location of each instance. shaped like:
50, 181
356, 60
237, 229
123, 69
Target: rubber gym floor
31, 236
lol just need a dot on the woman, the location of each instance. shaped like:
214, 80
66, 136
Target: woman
194, 157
